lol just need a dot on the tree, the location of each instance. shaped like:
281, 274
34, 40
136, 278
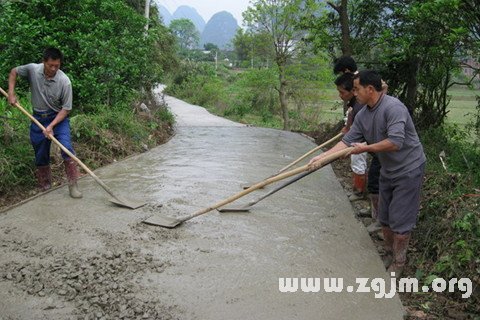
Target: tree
281, 20
341, 9
251, 46
210, 46
470, 11
186, 33
419, 49
107, 54
415, 44
242, 44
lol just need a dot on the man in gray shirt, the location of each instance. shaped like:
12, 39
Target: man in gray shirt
52, 102
386, 128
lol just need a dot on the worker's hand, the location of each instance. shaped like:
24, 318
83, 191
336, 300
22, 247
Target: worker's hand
12, 99
312, 165
359, 148
344, 130
48, 131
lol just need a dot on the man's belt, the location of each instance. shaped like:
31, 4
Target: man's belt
44, 114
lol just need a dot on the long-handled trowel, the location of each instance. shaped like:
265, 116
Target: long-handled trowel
170, 222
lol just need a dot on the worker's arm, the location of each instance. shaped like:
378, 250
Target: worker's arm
12, 80
339, 146
59, 118
382, 146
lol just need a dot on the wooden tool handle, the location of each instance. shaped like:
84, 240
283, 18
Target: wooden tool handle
310, 152
71, 155
324, 161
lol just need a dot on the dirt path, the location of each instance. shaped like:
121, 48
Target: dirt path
87, 259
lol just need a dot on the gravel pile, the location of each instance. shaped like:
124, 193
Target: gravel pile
99, 285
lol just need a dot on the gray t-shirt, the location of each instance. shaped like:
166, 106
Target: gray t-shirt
389, 119
53, 94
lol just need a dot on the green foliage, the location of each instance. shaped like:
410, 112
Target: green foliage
210, 46
449, 224
473, 126
254, 91
281, 20
16, 153
93, 129
196, 82
417, 45
254, 49
416, 50
98, 138
251, 95
186, 33
306, 78
108, 55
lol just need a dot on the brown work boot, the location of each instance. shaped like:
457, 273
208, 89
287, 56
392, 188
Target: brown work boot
72, 175
388, 236
44, 177
400, 246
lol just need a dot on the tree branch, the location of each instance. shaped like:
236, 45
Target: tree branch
335, 7
474, 75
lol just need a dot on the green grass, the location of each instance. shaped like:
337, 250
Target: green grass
461, 108
462, 105
331, 109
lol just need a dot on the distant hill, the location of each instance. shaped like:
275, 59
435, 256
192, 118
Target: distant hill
220, 30
166, 16
186, 12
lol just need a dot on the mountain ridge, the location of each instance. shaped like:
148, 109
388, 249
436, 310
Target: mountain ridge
220, 29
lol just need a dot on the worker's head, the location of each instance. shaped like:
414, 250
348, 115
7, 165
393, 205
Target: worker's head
367, 86
344, 64
52, 59
344, 85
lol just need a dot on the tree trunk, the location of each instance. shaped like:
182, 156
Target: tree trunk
342, 10
412, 85
345, 25
147, 13
282, 92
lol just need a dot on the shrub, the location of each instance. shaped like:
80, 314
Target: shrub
449, 224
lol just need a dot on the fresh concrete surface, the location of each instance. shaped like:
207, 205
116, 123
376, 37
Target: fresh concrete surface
73, 259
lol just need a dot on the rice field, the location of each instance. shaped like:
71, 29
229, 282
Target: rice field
460, 111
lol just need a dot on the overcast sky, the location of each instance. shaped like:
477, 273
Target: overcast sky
207, 8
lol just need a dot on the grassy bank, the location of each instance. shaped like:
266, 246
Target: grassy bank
99, 138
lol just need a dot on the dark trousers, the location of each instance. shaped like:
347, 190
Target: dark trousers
41, 144
399, 201
373, 174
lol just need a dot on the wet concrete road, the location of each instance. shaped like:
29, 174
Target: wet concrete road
67, 259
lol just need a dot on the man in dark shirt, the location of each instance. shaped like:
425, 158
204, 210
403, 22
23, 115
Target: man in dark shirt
385, 127
346, 64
